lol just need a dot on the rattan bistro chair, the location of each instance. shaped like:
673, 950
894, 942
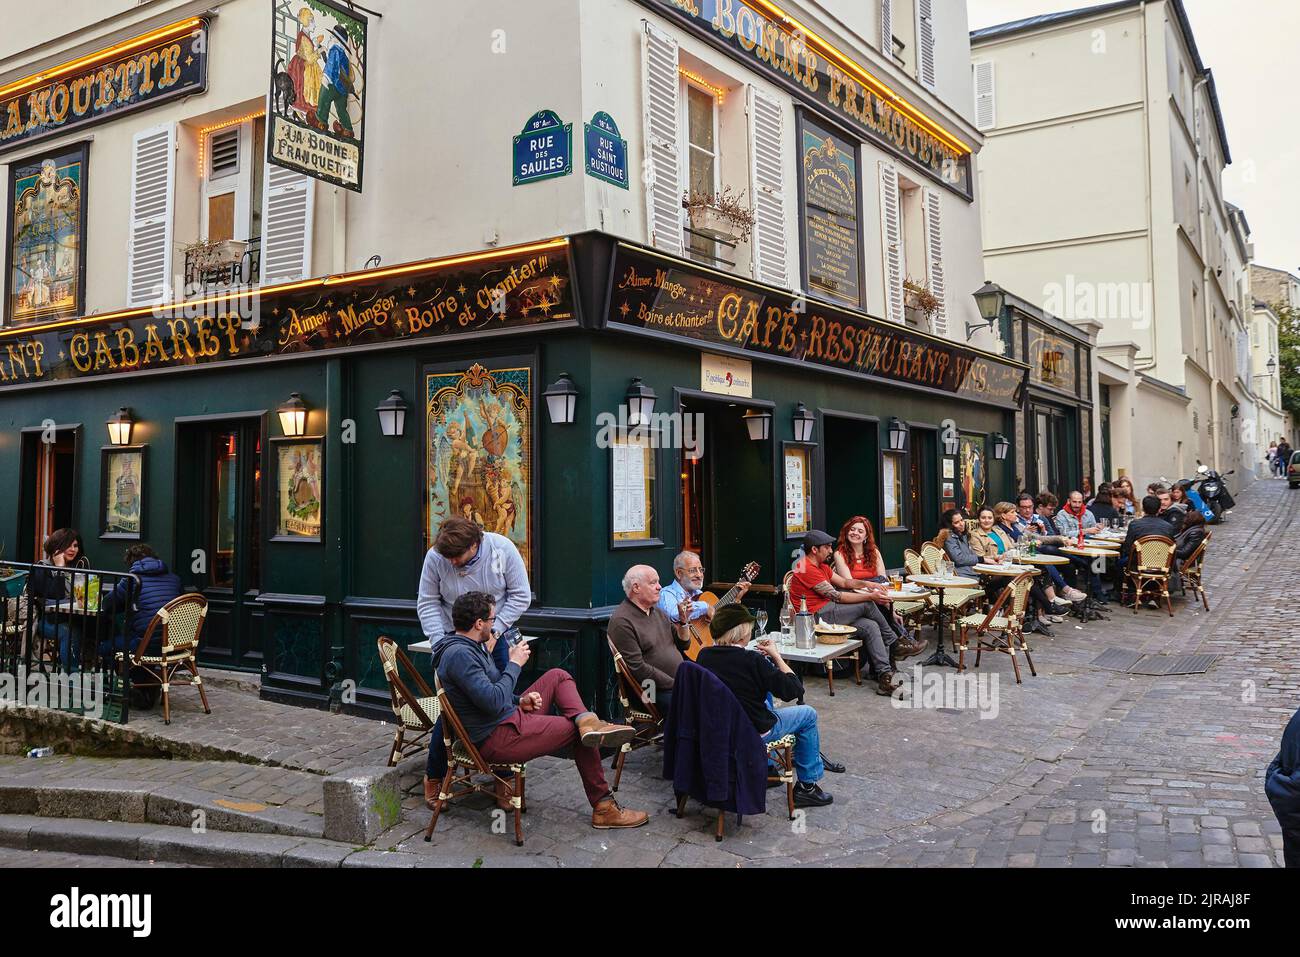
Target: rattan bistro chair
182, 622
638, 711
416, 713
1190, 572
1150, 564
464, 761
1002, 628
953, 598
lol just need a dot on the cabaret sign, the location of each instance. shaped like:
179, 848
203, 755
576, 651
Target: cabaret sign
146, 71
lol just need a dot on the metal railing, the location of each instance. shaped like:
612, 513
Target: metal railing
200, 270
60, 631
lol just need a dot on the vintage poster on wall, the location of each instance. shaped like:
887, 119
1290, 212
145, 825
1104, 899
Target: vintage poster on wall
121, 492
974, 479
299, 484
46, 262
318, 91
478, 434
830, 215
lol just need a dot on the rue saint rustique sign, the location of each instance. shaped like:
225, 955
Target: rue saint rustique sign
655, 293
509, 291
774, 49
143, 74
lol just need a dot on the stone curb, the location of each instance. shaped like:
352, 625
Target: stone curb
149, 842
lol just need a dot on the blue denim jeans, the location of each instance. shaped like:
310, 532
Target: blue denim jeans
68, 635
801, 721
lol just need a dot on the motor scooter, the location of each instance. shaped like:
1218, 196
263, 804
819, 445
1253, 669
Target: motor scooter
1214, 491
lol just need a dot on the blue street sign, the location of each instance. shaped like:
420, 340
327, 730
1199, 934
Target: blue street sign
544, 149
606, 151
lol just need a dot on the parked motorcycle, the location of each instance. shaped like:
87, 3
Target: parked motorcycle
1195, 501
1214, 491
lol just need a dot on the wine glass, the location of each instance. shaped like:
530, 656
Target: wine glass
760, 618
786, 619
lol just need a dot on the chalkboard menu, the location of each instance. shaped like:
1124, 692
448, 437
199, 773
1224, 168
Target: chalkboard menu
829, 220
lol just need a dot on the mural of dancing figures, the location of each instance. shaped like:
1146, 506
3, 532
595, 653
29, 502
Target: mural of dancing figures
974, 480
479, 451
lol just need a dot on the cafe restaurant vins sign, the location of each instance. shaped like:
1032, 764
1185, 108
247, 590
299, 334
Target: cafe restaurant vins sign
509, 289
835, 84
142, 72
655, 293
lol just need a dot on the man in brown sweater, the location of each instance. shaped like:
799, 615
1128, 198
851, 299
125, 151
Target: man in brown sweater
645, 637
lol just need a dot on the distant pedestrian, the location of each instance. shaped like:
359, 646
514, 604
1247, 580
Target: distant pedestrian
1282, 785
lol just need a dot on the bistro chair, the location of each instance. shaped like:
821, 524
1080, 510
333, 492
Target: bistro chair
1190, 572
914, 613
182, 621
638, 711
464, 761
416, 713
1002, 628
1150, 564
953, 598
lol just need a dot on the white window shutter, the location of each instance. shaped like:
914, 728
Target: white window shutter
934, 260
659, 94
887, 28
986, 114
288, 199
149, 245
925, 44
767, 181
891, 238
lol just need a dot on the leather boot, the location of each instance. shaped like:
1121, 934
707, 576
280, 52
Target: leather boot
503, 797
607, 815
431, 788
594, 733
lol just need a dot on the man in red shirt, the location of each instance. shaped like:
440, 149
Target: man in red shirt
847, 601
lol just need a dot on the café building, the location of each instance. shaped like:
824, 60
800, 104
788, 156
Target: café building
290, 433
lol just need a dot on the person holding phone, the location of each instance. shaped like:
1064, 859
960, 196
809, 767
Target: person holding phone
547, 718
49, 584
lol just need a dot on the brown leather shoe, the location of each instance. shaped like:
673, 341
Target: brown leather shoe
887, 684
431, 788
594, 733
503, 797
607, 815
906, 648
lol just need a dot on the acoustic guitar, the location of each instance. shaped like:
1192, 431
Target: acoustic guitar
696, 633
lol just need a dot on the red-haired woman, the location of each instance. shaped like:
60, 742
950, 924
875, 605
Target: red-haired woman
858, 558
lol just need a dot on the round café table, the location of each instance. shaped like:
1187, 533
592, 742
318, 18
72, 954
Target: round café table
940, 583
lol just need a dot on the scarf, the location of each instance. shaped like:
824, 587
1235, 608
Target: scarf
1078, 517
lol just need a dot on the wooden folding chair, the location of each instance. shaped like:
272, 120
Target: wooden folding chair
1002, 627
638, 711
1190, 572
182, 621
464, 761
1150, 564
416, 713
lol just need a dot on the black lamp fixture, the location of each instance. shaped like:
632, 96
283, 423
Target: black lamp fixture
119, 427
293, 415
897, 435
951, 441
392, 414
561, 400
1271, 365
991, 300
640, 402
803, 423
1000, 446
759, 424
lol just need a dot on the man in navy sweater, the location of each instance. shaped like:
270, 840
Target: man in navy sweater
507, 727
158, 586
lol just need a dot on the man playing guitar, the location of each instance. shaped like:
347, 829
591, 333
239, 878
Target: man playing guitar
684, 597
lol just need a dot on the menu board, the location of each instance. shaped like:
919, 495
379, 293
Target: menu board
892, 481
831, 244
798, 491
630, 499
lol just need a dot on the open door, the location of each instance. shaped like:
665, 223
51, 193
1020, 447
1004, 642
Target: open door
48, 497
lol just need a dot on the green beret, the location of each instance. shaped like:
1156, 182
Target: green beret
727, 618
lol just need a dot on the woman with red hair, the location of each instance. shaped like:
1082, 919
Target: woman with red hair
858, 558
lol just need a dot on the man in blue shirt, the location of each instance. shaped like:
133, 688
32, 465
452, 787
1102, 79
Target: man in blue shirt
688, 583
336, 84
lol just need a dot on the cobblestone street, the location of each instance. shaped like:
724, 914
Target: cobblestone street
1078, 766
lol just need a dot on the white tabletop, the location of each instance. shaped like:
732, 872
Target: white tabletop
941, 582
815, 655
421, 647
1007, 570
921, 594
1042, 559
1089, 552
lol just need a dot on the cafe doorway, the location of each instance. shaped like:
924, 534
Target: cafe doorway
728, 510
923, 494
219, 532
851, 466
49, 493
1053, 449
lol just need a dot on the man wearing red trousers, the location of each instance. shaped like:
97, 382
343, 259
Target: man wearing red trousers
548, 717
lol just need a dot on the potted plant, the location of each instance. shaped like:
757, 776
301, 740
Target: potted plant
11, 581
722, 217
917, 298
204, 257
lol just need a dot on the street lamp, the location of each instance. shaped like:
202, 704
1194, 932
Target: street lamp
991, 299
1000, 446
119, 427
561, 400
293, 415
897, 435
759, 424
803, 423
640, 402
392, 414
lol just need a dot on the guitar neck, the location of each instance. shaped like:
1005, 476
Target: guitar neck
730, 597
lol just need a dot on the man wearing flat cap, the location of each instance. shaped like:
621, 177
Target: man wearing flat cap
839, 601
750, 679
